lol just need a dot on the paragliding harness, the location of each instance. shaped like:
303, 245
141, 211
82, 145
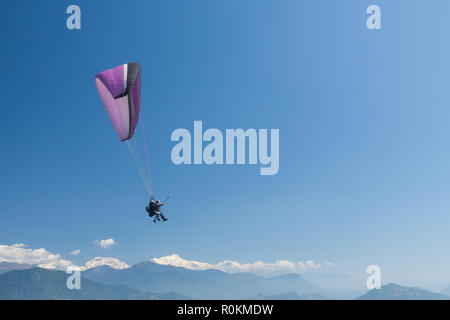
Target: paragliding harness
152, 208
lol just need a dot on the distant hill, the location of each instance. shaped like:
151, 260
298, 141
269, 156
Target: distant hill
199, 284
43, 284
446, 291
170, 296
396, 292
290, 296
353, 284
9, 266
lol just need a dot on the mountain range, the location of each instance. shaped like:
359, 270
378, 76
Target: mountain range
9, 266
393, 291
290, 296
199, 284
149, 280
43, 284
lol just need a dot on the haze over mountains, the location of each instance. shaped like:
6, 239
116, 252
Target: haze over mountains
43, 284
395, 292
199, 284
291, 296
8, 266
38, 283
149, 280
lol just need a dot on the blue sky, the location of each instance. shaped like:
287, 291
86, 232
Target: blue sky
363, 118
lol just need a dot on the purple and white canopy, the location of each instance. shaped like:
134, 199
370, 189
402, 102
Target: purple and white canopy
120, 90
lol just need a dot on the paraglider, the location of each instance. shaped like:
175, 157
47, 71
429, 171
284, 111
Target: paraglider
120, 91
153, 209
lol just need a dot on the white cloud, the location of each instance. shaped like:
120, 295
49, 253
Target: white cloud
101, 261
312, 264
105, 243
60, 264
18, 253
19, 245
258, 267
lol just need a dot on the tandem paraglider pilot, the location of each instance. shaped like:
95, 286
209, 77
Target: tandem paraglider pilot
154, 210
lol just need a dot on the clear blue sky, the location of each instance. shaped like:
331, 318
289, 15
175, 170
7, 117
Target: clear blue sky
363, 116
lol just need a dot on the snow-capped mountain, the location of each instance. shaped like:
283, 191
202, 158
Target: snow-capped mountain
105, 261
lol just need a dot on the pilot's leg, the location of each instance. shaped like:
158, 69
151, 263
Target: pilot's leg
164, 218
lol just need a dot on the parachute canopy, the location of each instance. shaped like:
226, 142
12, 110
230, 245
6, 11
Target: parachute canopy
120, 90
